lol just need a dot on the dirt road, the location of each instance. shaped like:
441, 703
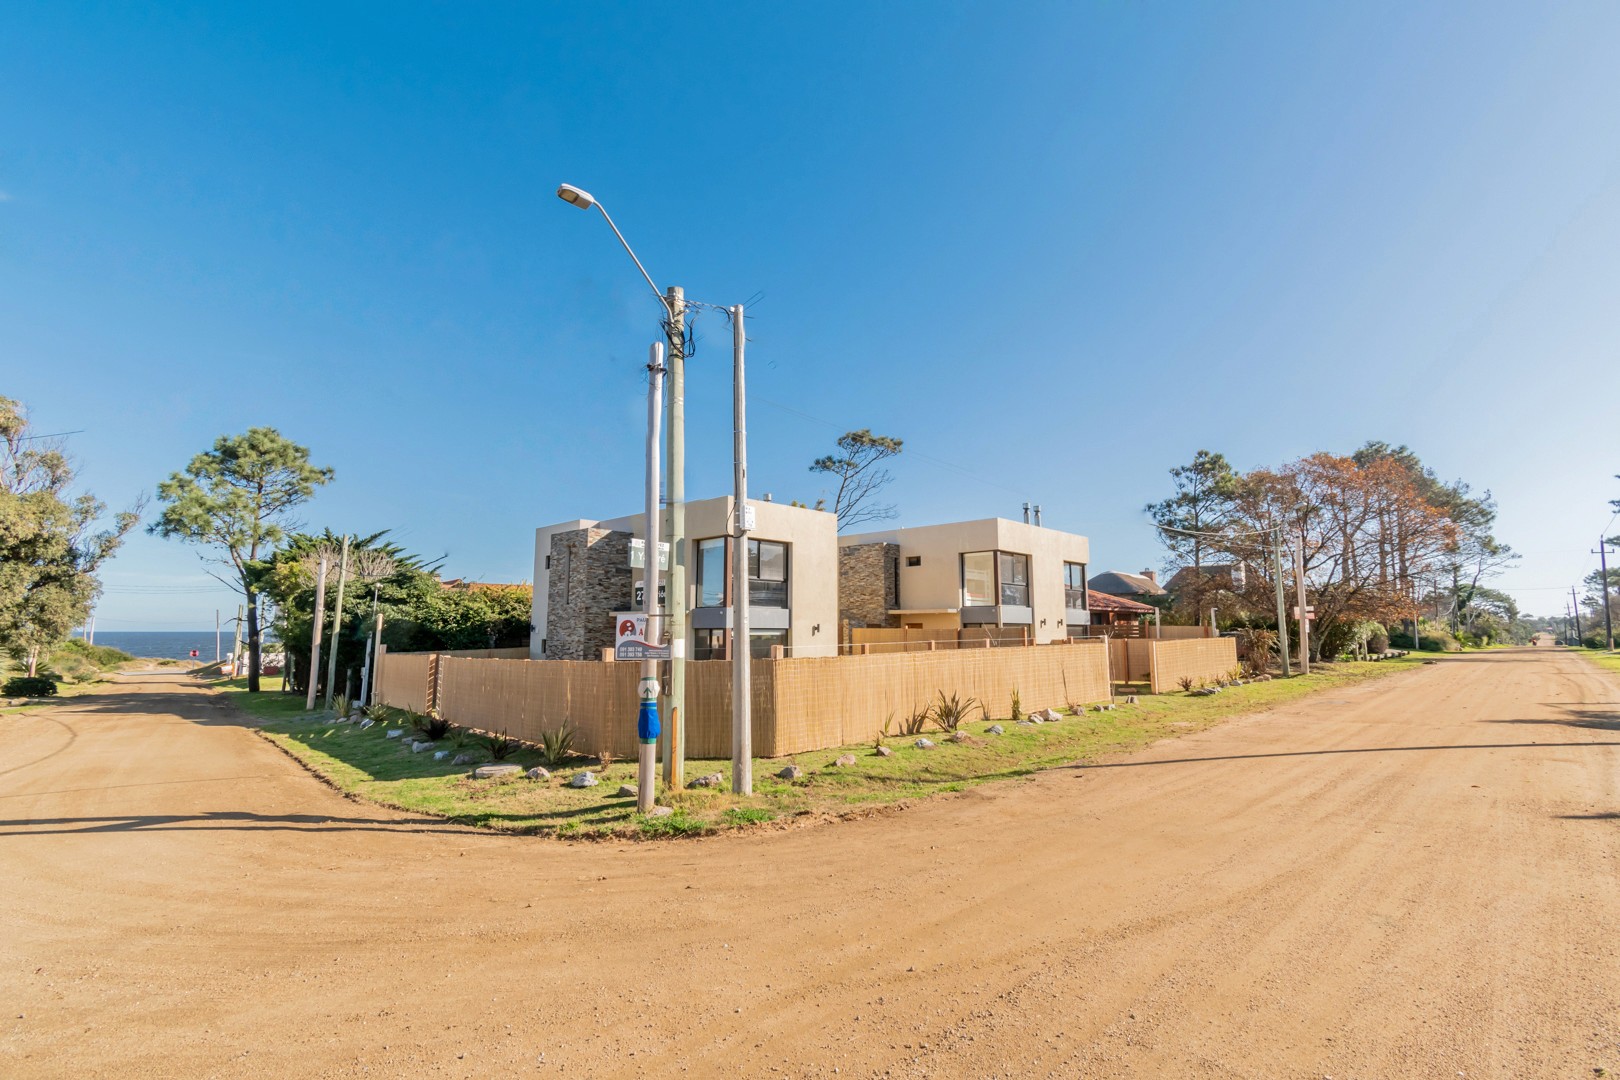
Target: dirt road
1416, 877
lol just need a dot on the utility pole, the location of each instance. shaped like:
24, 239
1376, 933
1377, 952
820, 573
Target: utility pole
1602, 553
236, 642
742, 724
315, 633
1282, 601
675, 760
1575, 606
337, 625
647, 718
1304, 614
216, 636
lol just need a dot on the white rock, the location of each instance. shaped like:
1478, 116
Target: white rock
539, 772
440, 755
463, 759
713, 780
959, 736
367, 722
995, 729
884, 751
924, 744
584, 779
489, 772
1049, 716
396, 733
844, 760
626, 791
418, 747
661, 811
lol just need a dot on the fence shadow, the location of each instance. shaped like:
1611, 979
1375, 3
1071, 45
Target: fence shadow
217, 820
1328, 753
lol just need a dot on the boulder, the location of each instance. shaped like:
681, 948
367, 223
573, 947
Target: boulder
490, 772
462, 759
712, 780
367, 722
883, 751
1131, 700
584, 779
924, 744
661, 811
1050, 716
626, 791
792, 772
539, 772
844, 760
995, 729
440, 755
396, 733
959, 736
418, 747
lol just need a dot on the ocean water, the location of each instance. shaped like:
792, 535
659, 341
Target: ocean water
166, 644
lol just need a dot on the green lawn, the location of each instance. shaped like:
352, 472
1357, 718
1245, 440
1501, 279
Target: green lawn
1609, 661
369, 764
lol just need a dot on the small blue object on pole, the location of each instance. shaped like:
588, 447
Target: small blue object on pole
647, 718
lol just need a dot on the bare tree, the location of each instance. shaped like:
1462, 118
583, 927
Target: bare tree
858, 466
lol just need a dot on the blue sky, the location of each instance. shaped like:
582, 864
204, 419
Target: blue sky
1057, 248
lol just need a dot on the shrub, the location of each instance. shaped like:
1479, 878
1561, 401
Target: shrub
375, 713
1017, 713
1259, 644
557, 745
102, 656
342, 706
1378, 642
432, 726
1185, 682
501, 746
23, 686
914, 723
950, 712
605, 759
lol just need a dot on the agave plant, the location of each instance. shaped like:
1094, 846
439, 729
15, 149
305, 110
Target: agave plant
501, 746
950, 712
376, 713
557, 745
432, 726
914, 723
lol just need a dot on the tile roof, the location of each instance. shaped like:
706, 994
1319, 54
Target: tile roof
1118, 583
1099, 601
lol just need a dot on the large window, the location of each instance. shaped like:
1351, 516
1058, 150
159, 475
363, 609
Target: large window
1014, 579
760, 642
709, 645
979, 579
1074, 586
767, 574
990, 578
711, 572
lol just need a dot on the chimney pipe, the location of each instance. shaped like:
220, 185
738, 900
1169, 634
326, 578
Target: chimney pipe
1026, 513
1037, 515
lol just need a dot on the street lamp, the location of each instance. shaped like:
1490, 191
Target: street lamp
674, 305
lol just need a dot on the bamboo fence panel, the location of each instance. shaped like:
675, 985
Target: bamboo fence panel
1200, 658
402, 680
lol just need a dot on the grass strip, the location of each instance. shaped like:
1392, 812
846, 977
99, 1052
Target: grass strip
372, 765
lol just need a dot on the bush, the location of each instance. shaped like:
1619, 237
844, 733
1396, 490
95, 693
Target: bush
950, 712
557, 745
102, 656
1433, 641
1017, 713
501, 746
914, 723
1378, 642
23, 686
432, 726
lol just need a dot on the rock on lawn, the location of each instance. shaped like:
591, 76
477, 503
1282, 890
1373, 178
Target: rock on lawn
584, 779
490, 772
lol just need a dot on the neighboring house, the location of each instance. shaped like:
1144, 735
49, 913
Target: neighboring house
1116, 614
1130, 586
990, 572
583, 576
1200, 578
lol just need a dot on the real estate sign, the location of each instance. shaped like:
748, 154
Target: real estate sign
630, 641
638, 554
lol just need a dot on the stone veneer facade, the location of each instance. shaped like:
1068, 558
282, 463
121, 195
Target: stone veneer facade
589, 579
868, 584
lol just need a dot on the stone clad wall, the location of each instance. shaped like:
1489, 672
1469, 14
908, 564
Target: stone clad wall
590, 579
866, 584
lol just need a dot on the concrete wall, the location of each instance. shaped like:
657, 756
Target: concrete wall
936, 583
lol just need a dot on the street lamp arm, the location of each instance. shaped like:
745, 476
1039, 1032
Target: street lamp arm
631, 252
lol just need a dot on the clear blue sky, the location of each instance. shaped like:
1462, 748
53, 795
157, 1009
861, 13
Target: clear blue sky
1057, 248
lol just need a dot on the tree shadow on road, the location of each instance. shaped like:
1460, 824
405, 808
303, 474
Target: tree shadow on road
1591, 719
235, 820
1343, 750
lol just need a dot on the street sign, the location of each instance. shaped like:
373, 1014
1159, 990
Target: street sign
639, 599
638, 554
1310, 612
630, 638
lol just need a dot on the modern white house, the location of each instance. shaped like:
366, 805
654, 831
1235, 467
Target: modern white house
989, 572
583, 575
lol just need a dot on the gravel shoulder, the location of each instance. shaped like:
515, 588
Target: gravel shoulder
1411, 877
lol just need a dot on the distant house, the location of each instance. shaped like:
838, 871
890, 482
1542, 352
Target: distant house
1116, 615
1201, 578
1130, 586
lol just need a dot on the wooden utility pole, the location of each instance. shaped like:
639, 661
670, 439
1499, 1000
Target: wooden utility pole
337, 625
315, 633
1304, 611
1575, 606
1602, 553
742, 723
1282, 602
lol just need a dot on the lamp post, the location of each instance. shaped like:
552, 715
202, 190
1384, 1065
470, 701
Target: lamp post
674, 305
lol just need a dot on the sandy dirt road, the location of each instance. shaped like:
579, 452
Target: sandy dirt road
1416, 877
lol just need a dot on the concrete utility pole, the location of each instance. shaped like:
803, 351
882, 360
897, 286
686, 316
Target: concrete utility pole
216, 636
1602, 553
337, 624
1304, 614
236, 641
675, 601
1282, 602
647, 720
315, 634
742, 723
